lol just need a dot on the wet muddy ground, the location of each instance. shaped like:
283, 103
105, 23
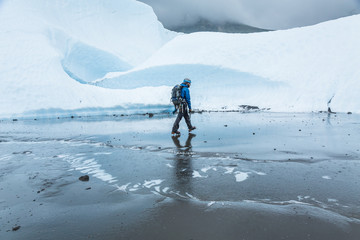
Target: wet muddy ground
238, 176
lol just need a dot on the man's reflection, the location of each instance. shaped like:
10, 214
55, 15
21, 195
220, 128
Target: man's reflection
183, 165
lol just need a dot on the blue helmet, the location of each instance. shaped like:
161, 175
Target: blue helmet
187, 80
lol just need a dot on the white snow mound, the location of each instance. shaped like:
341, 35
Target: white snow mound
93, 57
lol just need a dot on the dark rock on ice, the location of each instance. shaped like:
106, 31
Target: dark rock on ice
84, 178
248, 107
16, 228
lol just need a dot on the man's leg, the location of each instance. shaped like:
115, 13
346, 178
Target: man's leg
177, 121
187, 119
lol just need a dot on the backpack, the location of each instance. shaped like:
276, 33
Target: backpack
176, 95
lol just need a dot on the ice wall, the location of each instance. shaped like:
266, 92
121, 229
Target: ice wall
48, 48
77, 57
299, 69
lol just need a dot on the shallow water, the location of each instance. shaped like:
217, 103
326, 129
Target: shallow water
298, 166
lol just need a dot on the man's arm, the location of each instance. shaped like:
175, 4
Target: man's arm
187, 98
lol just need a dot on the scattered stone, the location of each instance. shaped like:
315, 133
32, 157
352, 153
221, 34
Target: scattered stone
248, 107
253, 133
205, 141
24, 152
16, 228
349, 112
299, 130
225, 125
41, 190
88, 188
84, 178
14, 119
72, 116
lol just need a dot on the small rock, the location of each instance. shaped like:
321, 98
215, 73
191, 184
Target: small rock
16, 228
253, 133
88, 188
151, 115
84, 178
349, 113
225, 125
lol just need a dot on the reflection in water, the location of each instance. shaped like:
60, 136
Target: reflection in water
183, 165
329, 119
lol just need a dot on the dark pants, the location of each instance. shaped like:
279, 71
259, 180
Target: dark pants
183, 112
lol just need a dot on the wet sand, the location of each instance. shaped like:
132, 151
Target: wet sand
239, 176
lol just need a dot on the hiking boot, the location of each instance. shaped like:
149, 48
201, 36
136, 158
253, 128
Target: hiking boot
177, 133
192, 128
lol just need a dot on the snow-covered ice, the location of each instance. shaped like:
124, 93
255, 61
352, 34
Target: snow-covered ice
75, 58
241, 176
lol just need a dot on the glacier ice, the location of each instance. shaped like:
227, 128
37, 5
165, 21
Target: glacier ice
68, 57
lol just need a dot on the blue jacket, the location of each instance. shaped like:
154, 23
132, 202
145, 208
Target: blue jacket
185, 94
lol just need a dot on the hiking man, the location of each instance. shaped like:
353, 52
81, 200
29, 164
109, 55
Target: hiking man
185, 105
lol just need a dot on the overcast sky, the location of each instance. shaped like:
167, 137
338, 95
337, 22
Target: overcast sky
268, 14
